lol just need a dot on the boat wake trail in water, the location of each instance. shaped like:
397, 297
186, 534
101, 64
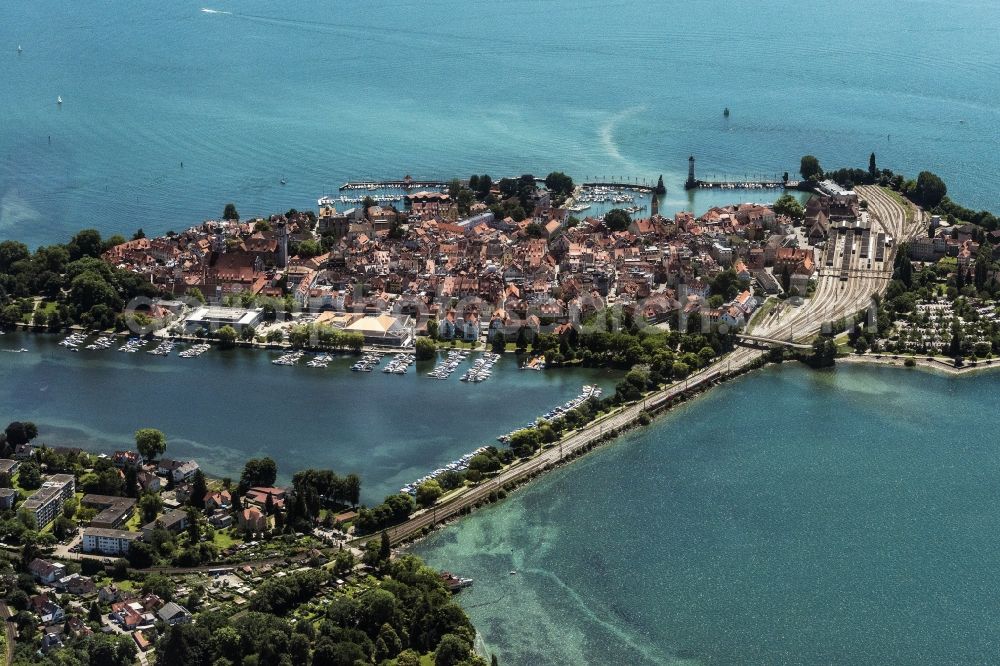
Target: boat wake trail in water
607, 132
215, 11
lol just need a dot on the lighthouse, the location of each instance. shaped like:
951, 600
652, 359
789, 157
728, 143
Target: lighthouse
691, 182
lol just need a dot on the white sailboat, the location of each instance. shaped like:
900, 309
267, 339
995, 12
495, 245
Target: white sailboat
19, 49
58, 99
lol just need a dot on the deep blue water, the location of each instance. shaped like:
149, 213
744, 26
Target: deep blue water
789, 517
319, 92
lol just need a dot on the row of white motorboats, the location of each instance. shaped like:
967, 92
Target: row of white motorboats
399, 364
291, 358
163, 349
482, 368
589, 392
444, 369
320, 361
454, 466
195, 350
368, 362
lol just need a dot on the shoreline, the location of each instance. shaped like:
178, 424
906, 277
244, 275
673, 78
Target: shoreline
663, 404
925, 363
573, 445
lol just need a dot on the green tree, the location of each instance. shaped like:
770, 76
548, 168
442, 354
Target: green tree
809, 168
617, 219
20, 432
12, 252
726, 284
62, 527
452, 650
10, 316
824, 353
559, 184
226, 336
788, 205
86, 243
199, 488
150, 443
428, 493
384, 547
149, 506
930, 189
425, 349
141, 555
230, 213
308, 249
872, 169
258, 472
30, 475
195, 293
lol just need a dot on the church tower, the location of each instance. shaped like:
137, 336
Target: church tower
282, 245
691, 182
654, 206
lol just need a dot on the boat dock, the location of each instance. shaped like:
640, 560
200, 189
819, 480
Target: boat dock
636, 187
404, 184
740, 185
757, 181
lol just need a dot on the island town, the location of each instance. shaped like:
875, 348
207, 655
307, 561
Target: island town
142, 549
455, 264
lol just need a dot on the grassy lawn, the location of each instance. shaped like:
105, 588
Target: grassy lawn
15, 481
135, 522
902, 201
762, 311
127, 585
224, 540
48, 307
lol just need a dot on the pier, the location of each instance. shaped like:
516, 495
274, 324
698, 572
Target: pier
739, 185
404, 184
756, 182
648, 189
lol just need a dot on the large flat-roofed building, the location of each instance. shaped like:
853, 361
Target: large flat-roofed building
8, 467
8, 497
108, 541
48, 500
212, 318
385, 330
114, 511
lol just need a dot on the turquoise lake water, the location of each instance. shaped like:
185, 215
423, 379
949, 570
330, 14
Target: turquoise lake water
224, 407
789, 517
319, 92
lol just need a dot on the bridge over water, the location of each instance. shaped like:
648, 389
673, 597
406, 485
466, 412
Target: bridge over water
762, 341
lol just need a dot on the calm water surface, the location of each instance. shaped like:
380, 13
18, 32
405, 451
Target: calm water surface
791, 517
224, 407
319, 92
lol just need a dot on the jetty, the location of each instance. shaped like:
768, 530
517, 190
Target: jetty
746, 183
636, 187
406, 183
739, 185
